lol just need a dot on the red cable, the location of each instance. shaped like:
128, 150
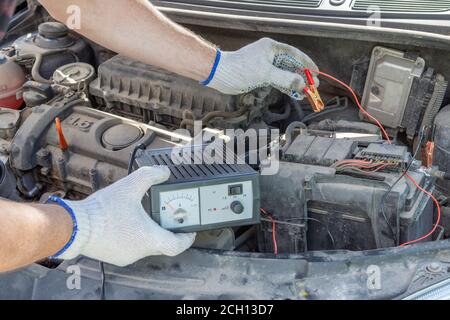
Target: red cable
274, 231
383, 130
390, 142
438, 206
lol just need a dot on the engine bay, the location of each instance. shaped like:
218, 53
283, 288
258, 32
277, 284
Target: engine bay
76, 113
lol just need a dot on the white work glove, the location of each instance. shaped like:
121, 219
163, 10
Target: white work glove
113, 226
265, 63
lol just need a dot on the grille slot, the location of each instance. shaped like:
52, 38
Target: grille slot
253, 4
404, 6
191, 172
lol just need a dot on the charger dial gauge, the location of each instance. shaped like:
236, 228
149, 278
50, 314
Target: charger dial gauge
180, 207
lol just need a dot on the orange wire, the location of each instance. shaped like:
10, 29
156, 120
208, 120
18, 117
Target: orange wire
274, 233
383, 130
381, 168
358, 164
354, 161
430, 195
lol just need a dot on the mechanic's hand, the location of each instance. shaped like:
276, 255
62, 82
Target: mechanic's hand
264, 63
114, 228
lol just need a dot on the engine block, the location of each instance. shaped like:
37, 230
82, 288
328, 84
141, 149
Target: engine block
100, 145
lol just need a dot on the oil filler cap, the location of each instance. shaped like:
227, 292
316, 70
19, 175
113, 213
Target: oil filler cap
76, 76
121, 136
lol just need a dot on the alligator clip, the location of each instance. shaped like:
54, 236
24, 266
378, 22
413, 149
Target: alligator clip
428, 154
312, 93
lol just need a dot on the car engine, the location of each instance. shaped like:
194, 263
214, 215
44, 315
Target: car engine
75, 120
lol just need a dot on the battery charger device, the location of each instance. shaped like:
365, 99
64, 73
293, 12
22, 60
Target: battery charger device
200, 197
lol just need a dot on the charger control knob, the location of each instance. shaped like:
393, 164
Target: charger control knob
237, 207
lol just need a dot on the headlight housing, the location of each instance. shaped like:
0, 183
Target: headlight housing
438, 291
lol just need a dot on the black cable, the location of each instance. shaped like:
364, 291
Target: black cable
102, 289
396, 234
130, 170
341, 104
133, 156
314, 116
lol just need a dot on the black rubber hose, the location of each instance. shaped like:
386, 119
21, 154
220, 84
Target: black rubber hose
271, 117
298, 108
314, 116
215, 114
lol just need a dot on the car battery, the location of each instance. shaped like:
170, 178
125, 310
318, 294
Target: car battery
350, 211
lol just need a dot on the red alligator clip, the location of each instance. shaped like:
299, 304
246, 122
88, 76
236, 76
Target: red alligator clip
312, 93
